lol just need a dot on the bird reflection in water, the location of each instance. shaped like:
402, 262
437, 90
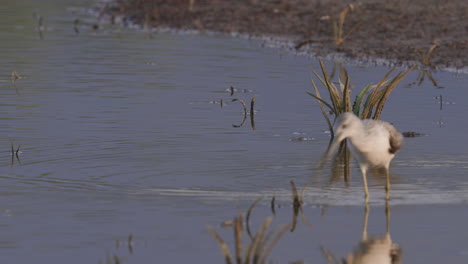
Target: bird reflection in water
376, 250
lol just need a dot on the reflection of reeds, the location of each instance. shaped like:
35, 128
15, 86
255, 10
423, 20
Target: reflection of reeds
297, 205
15, 154
247, 216
252, 112
111, 260
426, 60
426, 57
260, 247
245, 112
422, 76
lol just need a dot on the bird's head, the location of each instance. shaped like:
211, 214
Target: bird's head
346, 125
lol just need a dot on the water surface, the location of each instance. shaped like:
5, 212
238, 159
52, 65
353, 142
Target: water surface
121, 132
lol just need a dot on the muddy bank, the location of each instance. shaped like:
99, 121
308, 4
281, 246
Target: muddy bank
396, 29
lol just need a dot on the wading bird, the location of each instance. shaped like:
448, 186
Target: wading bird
373, 143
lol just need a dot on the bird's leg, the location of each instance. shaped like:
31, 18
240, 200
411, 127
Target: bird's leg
364, 180
387, 185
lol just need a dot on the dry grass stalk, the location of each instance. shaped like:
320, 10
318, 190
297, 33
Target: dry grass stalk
338, 26
252, 113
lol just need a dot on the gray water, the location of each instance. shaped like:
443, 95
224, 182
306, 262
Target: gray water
121, 133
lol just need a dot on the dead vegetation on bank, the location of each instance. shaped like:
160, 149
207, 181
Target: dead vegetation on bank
392, 29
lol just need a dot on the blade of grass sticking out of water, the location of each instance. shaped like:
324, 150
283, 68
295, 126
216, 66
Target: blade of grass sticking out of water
322, 108
388, 90
346, 90
372, 102
130, 243
322, 102
272, 205
333, 92
367, 111
252, 113
224, 248
358, 100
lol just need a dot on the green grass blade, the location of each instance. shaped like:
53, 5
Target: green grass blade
358, 100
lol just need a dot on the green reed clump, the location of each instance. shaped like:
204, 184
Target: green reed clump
368, 103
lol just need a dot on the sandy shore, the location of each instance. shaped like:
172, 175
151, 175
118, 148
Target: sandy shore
399, 30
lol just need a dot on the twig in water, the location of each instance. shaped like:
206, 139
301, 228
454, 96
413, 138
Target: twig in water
75, 26
40, 26
15, 153
231, 89
130, 244
273, 211
297, 205
252, 113
440, 97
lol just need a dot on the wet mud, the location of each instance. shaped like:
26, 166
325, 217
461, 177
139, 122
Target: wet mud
430, 32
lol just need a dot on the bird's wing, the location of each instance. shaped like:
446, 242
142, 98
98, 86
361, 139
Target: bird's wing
396, 139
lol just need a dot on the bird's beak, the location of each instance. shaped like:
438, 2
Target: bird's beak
334, 145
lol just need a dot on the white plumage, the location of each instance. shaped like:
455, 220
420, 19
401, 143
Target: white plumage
373, 143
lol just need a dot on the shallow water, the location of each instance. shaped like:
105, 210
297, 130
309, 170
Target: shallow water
121, 132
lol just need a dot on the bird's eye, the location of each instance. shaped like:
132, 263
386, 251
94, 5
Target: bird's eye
344, 126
